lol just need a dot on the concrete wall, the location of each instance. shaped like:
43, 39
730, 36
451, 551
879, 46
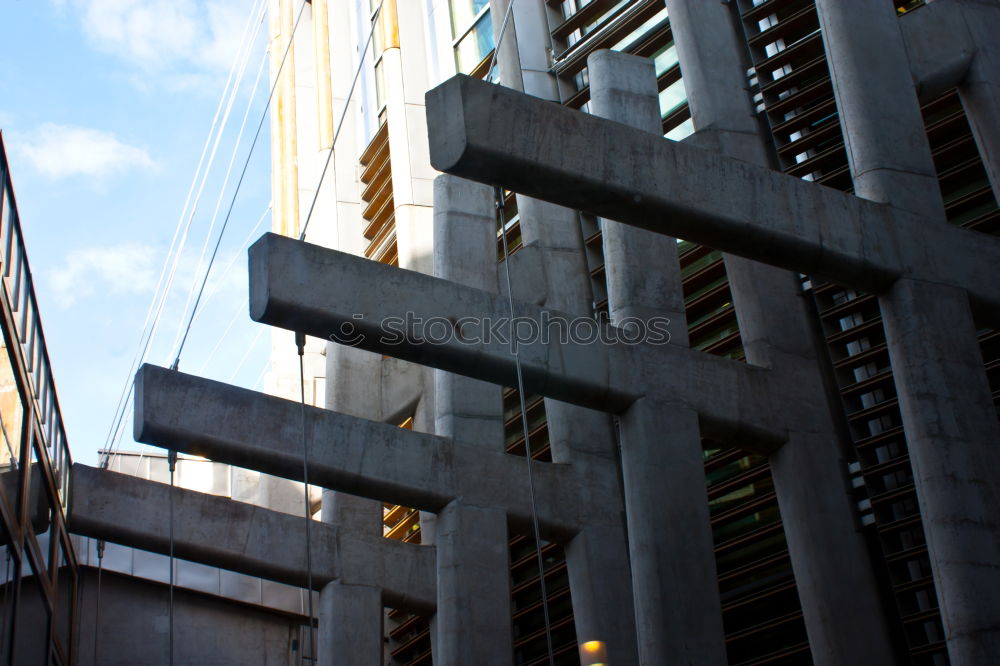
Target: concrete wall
133, 627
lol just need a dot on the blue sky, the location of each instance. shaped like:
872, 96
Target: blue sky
105, 106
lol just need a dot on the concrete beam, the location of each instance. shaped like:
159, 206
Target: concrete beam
249, 429
305, 287
248, 539
491, 134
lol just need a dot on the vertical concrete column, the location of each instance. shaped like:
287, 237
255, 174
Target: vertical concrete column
643, 273
553, 241
833, 573
473, 620
677, 607
465, 252
954, 444
945, 401
888, 151
980, 90
350, 625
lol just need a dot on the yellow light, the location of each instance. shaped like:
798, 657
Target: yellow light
593, 653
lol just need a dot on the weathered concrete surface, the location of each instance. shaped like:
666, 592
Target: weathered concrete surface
472, 623
677, 607
245, 538
890, 156
249, 429
939, 48
952, 436
304, 287
953, 43
833, 572
680, 190
132, 626
350, 625
466, 409
551, 270
678, 612
642, 269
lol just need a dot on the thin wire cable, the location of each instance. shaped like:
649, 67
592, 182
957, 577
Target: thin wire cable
498, 193
300, 343
246, 164
225, 224
141, 348
496, 49
172, 462
260, 376
246, 354
221, 279
524, 426
340, 123
131, 384
97, 603
175, 249
229, 171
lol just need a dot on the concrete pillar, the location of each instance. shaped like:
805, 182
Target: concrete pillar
350, 625
833, 573
473, 620
465, 252
944, 398
888, 150
578, 436
953, 439
677, 607
678, 615
643, 273
980, 90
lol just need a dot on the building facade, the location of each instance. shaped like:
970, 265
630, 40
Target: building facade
377, 203
38, 594
674, 520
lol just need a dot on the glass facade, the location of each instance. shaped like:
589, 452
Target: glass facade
38, 566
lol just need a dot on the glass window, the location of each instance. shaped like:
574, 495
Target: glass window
475, 45
11, 414
463, 12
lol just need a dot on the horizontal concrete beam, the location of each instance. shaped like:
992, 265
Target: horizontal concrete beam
492, 134
217, 531
248, 429
335, 295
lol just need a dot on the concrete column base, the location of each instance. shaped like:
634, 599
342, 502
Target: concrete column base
473, 620
677, 608
350, 625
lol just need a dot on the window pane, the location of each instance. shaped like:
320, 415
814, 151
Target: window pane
462, 13
475, 45
11, 414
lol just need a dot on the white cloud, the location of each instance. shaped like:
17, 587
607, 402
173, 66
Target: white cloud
58, 151
126, 268
165, 35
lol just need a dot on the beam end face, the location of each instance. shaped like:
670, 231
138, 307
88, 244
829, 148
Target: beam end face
258, 264
446, 123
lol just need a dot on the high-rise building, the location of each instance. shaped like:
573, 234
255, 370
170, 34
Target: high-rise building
39, 571
857, 530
